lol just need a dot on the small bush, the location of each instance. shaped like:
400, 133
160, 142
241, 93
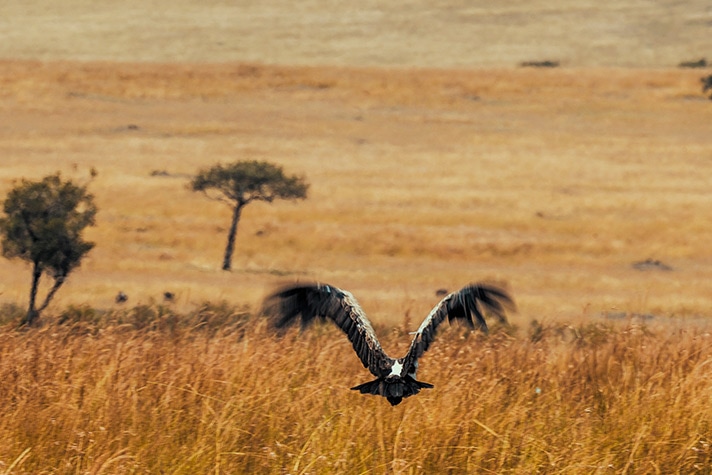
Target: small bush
80, 314
213, 317
11, 313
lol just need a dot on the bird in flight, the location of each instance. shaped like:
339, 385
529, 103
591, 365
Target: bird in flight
395, 377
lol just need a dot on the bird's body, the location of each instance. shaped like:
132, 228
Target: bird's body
395, 378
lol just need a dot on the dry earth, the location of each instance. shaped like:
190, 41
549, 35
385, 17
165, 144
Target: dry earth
449, 33
433, 160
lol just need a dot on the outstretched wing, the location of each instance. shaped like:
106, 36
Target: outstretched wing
314, 300
467, 302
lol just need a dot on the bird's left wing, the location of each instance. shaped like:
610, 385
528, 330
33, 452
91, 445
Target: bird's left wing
313, 300
467, 302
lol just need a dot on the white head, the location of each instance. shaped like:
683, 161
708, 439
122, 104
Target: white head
397, 368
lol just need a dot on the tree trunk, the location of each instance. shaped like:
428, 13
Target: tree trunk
227, 261
58, 281
31, 310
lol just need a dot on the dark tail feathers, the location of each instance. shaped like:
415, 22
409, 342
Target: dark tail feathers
392, 389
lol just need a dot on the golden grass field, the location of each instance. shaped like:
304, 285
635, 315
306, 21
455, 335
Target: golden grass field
208, 394
425, 173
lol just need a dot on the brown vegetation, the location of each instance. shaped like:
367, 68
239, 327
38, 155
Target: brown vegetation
148, 391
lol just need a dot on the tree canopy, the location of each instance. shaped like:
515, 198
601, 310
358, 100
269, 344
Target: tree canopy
246, 181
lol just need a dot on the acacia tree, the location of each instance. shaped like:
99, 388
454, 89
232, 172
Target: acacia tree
241, 183
43, 225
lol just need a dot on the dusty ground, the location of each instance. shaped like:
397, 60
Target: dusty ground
553, 181
427, 175
418, 33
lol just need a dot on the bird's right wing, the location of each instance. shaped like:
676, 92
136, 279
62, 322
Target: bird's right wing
312, 300
467, 302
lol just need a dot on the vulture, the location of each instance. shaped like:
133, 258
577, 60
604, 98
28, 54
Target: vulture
395, 377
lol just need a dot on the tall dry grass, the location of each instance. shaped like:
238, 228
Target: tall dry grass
146, 390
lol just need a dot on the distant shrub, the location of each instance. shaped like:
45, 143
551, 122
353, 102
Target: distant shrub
214, 316
80, 314
11, 313
539, 64
700, 63
142, 316
584, 335
209, 318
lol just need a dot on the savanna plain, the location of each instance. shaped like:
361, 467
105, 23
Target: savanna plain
583, 190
